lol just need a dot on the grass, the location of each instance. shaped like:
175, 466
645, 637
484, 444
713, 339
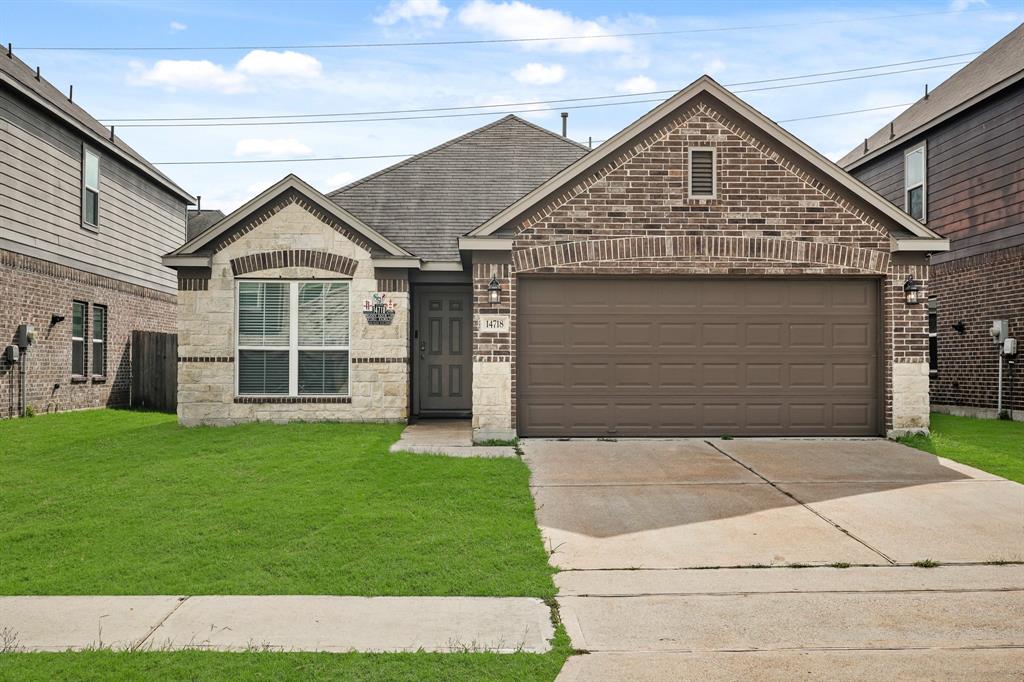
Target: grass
991, 445
259, 665
119, 502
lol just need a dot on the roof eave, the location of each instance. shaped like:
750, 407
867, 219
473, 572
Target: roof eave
97, 140
918, 245
938, 120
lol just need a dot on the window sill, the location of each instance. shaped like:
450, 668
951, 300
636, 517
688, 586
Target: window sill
291, 399
95, 229
79, 379
97, 379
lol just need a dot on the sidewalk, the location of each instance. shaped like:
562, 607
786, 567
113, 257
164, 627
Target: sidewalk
283, 623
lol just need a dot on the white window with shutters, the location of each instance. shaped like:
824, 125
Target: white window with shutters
293, 338
703, 174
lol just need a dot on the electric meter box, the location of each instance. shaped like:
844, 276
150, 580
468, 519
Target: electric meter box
26, 335
999, 331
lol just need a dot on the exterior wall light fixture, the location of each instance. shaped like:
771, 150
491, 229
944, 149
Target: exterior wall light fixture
494, 290
912, 289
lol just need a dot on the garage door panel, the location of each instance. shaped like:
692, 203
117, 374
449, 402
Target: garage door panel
744, 357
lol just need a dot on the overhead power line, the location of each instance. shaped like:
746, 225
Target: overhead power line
404, 156
124, 121
489, 41
231, 124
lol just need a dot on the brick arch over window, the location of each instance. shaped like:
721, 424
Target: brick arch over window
293, 258
608, 251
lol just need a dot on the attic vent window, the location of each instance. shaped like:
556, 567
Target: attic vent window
702, 173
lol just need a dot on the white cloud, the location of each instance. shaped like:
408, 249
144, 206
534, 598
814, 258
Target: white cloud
714, 66
539, 74
268, 64
189, 74
280, 147
339, 180
429, 13
961, 5
516, 19
636, 85
282, 68
178, 26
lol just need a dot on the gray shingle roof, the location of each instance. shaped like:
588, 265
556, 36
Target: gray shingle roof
428, 201
1003, 60
199, 220
15, 71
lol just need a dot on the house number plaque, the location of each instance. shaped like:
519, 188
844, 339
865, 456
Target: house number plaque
494, 324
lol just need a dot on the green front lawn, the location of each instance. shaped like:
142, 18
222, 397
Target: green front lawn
120, 502
991, 445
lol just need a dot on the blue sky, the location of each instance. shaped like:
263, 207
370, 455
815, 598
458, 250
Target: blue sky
821, 37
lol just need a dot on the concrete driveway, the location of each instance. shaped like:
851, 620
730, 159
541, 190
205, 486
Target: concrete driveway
630, 521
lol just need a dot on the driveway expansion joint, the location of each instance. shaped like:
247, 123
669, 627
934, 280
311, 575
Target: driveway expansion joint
141, 642
804, 505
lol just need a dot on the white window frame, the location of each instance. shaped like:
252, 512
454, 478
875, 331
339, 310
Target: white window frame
87, 152
923, 148
102, 343
293, 346
81, 339
714, 173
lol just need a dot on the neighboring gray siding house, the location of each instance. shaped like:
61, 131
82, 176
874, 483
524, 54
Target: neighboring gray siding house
703, 272
955, 161
84, 220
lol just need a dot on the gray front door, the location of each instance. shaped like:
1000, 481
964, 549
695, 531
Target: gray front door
443, 345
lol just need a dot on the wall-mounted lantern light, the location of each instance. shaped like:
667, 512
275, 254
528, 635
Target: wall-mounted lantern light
494, 290
56, 318
960, 328
912, 288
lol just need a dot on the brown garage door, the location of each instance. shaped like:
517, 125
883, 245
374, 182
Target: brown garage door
615, 357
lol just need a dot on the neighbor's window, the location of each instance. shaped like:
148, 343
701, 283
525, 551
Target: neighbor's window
99, 340
78, 312
90, 187
293, 338
915, 165
933, 336
702, 173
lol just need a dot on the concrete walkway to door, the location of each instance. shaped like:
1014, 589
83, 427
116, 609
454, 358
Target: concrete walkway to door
629, 522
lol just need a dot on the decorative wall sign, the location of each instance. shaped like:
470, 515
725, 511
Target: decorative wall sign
379, 308
495, 324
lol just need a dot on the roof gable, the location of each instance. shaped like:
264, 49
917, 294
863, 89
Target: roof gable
900, 224
425, 203
202, 243
997, 68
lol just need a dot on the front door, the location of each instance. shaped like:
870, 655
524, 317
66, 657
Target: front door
442, 344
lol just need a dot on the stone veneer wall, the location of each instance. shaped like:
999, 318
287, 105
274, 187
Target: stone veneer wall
379, 371
977, 290
770, 218
31, 291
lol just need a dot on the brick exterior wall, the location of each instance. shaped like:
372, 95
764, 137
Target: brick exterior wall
632, 216
32, 290
976, 291
290, 238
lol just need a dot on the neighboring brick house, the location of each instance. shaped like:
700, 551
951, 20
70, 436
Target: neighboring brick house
701, 273
84, 221
955, 161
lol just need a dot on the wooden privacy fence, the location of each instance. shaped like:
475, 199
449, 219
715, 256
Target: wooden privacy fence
155, 371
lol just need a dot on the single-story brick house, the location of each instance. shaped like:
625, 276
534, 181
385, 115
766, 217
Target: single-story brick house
703, 272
